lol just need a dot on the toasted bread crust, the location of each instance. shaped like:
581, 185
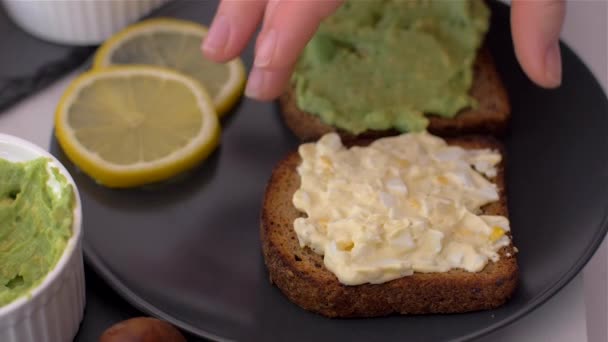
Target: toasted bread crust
300, 274
490, 117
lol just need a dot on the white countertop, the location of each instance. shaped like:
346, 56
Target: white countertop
577, 313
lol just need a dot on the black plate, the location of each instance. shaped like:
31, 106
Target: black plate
189, 252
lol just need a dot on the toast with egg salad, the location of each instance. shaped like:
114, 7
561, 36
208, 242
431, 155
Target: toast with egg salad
378, 69
409, 224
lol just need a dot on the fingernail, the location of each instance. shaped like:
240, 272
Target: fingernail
254, 83
553, 65
218, 35
265, 51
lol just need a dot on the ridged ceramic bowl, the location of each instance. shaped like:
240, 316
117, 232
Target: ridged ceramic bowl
77, 22
53, 310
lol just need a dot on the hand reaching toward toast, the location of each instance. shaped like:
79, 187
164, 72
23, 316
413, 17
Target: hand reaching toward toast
536, 26
288, 25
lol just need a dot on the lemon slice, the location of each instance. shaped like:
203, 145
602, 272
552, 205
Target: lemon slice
175, 44
130, 126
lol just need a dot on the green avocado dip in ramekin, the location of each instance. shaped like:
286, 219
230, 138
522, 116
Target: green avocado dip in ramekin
36, 217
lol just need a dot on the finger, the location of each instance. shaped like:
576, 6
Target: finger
233, 25
288, 27
536, 26
268, 14
270, 9
266, 85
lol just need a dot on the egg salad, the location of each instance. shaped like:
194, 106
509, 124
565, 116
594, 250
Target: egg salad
404, 204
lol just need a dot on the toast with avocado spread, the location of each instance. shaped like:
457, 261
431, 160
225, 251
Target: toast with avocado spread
378, 69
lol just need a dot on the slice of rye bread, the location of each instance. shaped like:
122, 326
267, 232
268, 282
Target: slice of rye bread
301, 275
490, 117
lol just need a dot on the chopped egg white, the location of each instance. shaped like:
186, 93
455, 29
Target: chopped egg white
404, 204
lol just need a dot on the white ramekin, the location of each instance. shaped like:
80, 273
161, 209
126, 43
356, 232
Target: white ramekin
54, 309
77, 22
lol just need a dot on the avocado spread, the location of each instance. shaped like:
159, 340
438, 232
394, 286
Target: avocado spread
35, 224
383, 64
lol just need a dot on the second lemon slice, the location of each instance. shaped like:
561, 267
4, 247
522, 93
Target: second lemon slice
129, 126
175, 44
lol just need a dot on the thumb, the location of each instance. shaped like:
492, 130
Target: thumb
536, 26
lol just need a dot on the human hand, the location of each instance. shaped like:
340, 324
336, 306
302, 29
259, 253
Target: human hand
289, 24
287, 27
536, 26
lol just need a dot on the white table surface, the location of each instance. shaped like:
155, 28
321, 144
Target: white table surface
577, 313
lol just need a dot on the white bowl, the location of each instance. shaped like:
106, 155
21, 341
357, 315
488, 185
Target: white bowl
77, 22
54, 309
